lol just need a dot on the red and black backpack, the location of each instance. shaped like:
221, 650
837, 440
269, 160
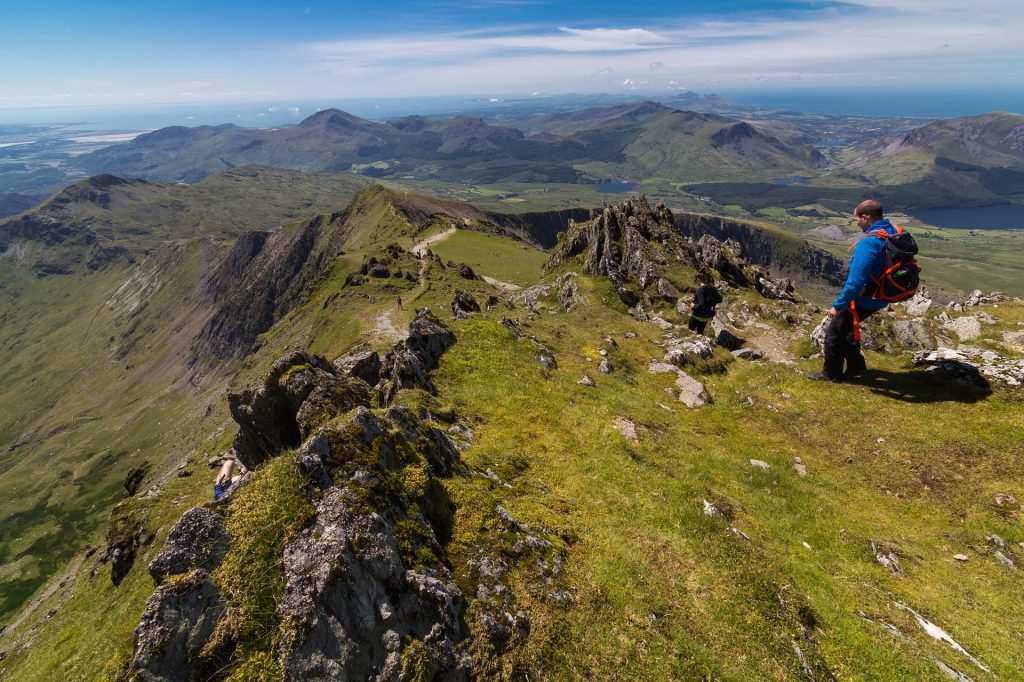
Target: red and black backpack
901, 274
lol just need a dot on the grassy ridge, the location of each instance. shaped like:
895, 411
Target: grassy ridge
665, 591
660, 590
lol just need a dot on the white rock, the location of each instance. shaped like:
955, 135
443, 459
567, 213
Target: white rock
655, 367
760, 464
691, 392
711, 510
661, 322
967, 328
918, 305
960, 557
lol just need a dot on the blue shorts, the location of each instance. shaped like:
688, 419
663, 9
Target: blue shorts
220, 491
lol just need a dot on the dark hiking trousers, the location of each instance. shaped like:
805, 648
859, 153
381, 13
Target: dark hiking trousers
841, 347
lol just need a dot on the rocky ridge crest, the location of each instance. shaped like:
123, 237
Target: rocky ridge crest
368, 590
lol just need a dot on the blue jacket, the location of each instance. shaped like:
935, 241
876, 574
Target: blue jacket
867, 262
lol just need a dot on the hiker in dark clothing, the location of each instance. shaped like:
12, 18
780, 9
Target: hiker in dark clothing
856, 301
400, 307
704, 301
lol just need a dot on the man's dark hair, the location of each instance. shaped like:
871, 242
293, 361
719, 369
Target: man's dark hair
871, 208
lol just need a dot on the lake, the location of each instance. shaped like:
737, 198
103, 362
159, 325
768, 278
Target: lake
984, 218
615, 186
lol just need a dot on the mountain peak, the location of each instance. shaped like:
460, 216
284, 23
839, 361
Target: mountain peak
334, 119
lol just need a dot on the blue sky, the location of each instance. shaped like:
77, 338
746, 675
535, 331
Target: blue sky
57, 53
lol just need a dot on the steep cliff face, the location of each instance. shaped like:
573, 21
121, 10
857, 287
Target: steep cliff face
542, 227
257, 286
792, 256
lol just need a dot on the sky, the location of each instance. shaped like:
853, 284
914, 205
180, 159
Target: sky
57, 53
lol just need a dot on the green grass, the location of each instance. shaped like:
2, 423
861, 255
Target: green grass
659, 589
496, 257
264, 514
643, 545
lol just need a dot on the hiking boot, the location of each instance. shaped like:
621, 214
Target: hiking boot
821, 376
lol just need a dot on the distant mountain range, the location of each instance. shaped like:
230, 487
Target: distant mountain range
623, 141
764, 159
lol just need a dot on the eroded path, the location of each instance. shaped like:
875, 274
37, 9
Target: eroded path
420, 247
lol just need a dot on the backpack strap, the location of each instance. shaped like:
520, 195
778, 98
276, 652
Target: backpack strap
856, 322
881, 234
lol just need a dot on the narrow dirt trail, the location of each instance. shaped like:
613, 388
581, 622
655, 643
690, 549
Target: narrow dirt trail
384, 327
420, 247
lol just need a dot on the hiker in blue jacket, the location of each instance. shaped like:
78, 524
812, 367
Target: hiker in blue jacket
855, 303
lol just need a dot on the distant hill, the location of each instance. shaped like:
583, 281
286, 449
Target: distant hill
628, 140
973, 160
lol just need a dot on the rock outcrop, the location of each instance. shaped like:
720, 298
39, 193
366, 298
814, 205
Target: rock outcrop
197, 541
369, 591
179, 620
300, 392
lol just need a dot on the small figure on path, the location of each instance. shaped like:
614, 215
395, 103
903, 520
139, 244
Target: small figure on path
704, 301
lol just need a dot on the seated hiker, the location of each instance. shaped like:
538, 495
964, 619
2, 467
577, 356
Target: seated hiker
704, 301
225, 482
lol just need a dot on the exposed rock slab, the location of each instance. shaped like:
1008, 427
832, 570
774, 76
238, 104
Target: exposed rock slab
197, 540
351, 604
691, 392
178, 621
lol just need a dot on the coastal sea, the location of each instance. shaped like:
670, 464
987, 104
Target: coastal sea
885, 102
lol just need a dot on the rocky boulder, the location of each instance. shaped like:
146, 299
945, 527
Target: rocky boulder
197, 540
691, 392
913, 334
410, 360
966, 328
725, 338
918, 305
972, 366
179, 620
361, 363
350, 607
568, 291
463, 304
300, 392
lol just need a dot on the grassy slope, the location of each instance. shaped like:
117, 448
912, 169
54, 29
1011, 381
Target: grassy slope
663, 591
93, 386
520, 265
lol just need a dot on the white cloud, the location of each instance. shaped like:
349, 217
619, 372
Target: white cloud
193, 85
293, 110
846, 45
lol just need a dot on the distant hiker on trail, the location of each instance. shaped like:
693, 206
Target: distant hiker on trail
869, 288
704, 301
400, 303
225, 482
